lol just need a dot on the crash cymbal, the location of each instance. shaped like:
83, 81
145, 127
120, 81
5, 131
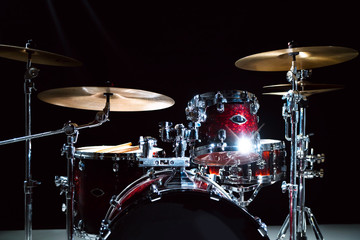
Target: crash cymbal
305, 88
307, 58
37, 56
92, 98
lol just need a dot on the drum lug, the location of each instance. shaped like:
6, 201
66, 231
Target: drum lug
81, 166
222, 135
250, 172
262, 226
113, 202
155, 195
195, 111
116, 167
104, 229
261, 163
219, 101
214, 196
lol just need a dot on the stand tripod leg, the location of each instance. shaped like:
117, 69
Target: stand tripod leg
283, 229
314, 224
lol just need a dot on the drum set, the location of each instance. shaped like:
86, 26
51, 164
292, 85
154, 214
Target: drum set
219, 161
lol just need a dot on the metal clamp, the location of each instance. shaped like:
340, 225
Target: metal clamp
164, 162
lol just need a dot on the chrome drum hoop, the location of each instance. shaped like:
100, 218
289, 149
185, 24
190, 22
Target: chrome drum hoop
196, 108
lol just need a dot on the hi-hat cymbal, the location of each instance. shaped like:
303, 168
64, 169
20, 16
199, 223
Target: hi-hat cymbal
92, 98
307, 58
304, 87
37, 56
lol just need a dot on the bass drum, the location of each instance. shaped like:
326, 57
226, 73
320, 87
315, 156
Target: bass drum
178, 206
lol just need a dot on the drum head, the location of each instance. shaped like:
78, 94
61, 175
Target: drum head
184, 215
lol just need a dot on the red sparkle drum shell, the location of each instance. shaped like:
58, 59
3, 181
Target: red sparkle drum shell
98, 177
151, 208
267, 170
235, 119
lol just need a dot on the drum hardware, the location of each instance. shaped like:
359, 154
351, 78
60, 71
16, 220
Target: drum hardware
298, 60
237, 192
62, 183
219, 101
295, 110
165, 162
147, 145
294, 113
30, 55
179, 135
72, 131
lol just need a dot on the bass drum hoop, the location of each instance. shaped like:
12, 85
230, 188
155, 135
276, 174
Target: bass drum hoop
180, 214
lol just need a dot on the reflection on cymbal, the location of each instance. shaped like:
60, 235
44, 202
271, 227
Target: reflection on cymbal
306, 58
304, 87
92, 98
37, 56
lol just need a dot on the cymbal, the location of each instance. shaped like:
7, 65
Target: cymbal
37, 56
307, 58
92, 98
305, 88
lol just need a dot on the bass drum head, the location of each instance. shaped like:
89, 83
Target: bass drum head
184, 215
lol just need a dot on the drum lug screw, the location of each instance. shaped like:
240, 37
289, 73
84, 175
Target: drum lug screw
113, 201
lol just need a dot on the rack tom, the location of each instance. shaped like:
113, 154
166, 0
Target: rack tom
228, 127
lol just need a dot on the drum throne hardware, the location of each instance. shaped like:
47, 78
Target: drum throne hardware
30, 56
299, 60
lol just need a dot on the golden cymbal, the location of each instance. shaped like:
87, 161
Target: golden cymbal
92, 98
304, 87
306, 58
37, 56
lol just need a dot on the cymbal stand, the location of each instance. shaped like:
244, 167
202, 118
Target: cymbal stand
290, 113
295, 111
29, 183
72, 131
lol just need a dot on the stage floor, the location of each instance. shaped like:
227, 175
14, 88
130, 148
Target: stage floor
330, 232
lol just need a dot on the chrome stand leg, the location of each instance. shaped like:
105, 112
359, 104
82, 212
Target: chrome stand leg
314, 224
283, 229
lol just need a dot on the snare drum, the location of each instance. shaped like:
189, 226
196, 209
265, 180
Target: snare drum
98, 177
228, 134
178, 206
269, 169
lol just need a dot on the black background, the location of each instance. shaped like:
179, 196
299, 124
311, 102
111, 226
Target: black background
180, 50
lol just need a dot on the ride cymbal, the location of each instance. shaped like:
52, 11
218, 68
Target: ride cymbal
306, 58
304, 87
92, 98
37, 56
